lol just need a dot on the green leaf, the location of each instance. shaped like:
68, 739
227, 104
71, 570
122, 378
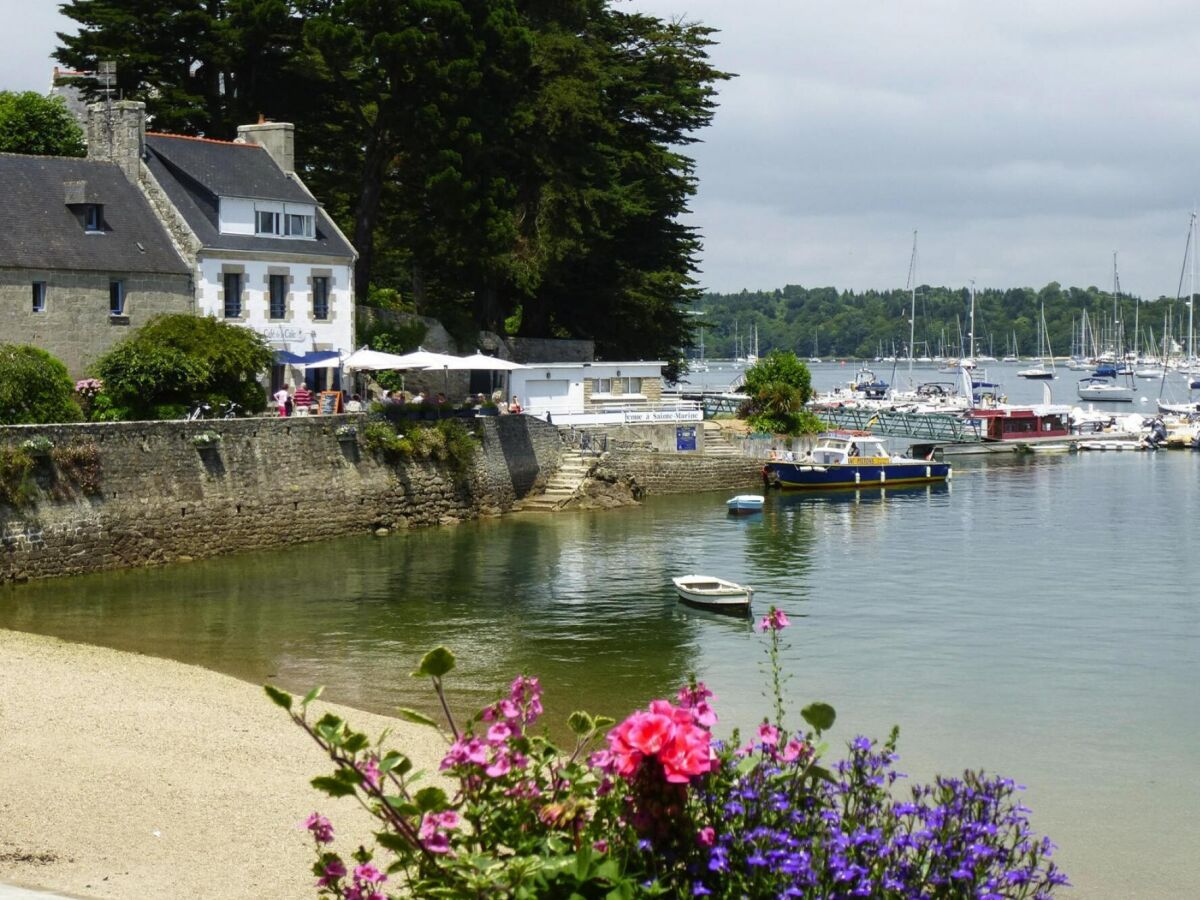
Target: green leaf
411, 715
312, 695
430, 799
281, 698
580, 723
435, 663
392, 841
334, 787
393, 760
822, 773
602, 722
355, 742
622, 891
819, 715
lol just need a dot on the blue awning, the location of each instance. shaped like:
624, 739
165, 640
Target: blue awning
313, 359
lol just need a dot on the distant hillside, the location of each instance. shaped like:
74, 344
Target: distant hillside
850, 324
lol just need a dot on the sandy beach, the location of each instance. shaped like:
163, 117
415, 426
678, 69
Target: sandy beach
128, 776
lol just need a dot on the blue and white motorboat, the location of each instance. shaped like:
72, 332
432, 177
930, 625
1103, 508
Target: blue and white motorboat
743, 504
851, 459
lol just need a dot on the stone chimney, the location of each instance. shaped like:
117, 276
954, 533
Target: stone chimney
277, 138
116, 133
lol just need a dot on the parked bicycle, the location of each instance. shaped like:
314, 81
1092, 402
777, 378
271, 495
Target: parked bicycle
200, 411
230, 409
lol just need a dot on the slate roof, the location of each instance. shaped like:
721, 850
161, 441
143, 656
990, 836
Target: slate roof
196, 172
38, 230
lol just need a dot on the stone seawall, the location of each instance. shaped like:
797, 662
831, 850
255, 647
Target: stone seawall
159, 498
668, 473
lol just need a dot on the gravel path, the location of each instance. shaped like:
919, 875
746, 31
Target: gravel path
128, 776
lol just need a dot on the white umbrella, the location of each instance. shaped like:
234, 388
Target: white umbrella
479, 362
427, 359
374, 360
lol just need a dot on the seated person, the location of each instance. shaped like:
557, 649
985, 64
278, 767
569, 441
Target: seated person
354, 404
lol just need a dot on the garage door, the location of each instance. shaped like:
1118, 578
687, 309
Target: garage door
550, 395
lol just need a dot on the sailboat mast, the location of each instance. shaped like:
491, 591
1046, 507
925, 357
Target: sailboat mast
971, 332
1192, 291
912, 315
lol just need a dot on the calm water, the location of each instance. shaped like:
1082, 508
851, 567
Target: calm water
1038, 618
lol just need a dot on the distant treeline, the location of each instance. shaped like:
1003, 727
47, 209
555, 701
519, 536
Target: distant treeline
872, 323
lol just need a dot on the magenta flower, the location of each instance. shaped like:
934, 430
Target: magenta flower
369, 874
706, 837
768, 734
775, 620
499, 733
600, 846
370, 772
333, 871
321, 828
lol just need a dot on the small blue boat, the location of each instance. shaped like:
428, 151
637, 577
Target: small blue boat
851, 459
744, 504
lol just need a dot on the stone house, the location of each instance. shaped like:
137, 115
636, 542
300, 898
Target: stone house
261, 250
83, 258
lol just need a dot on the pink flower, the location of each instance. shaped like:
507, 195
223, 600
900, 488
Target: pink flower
334, 869
369, 874
705, 837
648, 732
321, 828
704, 714
509, 710
793, 751
499, 767
768, 734
667, 733
600, 846
370, 772
775, 620
438, 842
499, 733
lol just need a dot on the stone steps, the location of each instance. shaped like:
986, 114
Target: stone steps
716, 443
562, 486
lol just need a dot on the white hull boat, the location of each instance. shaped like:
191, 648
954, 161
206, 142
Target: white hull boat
714, 594
743, 504
1104, 391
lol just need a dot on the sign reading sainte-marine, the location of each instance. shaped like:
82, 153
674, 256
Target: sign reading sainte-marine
664, 415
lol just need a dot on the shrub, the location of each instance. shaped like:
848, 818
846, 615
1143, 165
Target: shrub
663, 810
446, 441
78, 465
16, 486
41, 126
778, 386
206, 439
174, 361
35, 388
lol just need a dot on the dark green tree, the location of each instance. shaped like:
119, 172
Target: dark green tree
42, 126
34, 387
174, 361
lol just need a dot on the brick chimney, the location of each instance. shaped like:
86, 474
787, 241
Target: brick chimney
277, 138
116, 133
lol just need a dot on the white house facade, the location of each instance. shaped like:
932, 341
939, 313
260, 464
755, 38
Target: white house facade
592, 393
265, 254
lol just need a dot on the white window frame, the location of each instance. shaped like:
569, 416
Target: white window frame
305, 223
39, 296
274, 222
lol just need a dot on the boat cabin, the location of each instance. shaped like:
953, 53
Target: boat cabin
849, 448
1021, 424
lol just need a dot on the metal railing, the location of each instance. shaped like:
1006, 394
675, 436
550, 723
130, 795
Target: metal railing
939, 427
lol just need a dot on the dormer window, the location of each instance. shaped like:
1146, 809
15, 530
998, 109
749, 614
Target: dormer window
92, 218
299, 225
266, 222
287, 220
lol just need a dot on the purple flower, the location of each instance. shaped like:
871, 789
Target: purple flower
321, 828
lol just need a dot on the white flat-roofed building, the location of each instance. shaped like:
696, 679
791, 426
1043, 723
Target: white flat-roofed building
595, 393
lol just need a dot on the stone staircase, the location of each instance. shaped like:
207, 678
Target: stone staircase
562, 486
716, 443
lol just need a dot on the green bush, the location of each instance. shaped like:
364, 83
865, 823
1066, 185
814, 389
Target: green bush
35, 388
16, 486
37, 125
176, 361
778, 386
445, 441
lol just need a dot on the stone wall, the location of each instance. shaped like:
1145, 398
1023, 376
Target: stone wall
76, 325
670, 473
268, 482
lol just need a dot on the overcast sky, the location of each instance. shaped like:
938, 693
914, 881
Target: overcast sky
1025, 140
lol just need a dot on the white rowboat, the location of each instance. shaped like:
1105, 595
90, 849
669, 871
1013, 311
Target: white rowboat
715, 594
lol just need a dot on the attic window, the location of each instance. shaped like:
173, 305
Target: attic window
266, 222
92, 218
